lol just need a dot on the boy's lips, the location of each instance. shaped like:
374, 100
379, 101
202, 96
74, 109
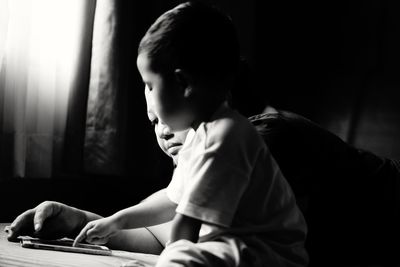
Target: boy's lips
173, 148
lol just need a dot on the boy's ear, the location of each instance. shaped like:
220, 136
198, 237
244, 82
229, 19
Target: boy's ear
183, 81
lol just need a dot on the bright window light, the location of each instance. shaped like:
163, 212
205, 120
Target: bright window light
39, 46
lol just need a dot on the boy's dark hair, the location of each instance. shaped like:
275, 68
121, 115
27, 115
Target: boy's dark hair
194, 37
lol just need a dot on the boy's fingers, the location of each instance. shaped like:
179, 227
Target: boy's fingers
79, 238
93, 232
8, 230
22, 219
42, 213
22, 225
133, 263
93, 235
82, 235
97, 240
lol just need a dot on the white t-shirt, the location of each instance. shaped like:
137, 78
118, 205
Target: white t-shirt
227, 178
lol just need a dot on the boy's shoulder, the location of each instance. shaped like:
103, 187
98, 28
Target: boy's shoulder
228, 125
229, 119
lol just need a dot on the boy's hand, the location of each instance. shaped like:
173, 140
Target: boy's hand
98, 232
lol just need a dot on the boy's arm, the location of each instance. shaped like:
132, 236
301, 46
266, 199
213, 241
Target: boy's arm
156, 209
184, 227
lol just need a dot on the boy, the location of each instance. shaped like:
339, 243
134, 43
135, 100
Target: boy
228, 201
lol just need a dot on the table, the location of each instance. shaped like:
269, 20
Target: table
12, 254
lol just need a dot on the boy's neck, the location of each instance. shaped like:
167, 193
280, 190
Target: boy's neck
206, 108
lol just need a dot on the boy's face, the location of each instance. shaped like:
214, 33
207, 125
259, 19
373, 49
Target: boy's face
166, 97
169, 142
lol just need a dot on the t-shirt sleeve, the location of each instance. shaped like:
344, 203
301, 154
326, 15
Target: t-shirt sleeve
214, 189
175, 187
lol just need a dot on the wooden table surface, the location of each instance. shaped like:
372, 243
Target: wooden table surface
12, 254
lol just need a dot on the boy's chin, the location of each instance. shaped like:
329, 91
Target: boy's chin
175, 159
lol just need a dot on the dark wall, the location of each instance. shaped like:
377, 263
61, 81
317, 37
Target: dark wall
102, 195
335, 62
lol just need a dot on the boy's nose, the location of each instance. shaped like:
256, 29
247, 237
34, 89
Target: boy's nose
165, 131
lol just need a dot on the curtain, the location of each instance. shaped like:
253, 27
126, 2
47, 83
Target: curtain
40, 45
71, 98
101, 151
119, 140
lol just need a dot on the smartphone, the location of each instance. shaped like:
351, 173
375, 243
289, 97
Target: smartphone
64, 245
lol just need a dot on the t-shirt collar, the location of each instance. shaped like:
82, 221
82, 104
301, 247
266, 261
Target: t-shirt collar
192, 132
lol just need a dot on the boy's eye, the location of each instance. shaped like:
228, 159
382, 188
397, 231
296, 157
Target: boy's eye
148, 87
154, 122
